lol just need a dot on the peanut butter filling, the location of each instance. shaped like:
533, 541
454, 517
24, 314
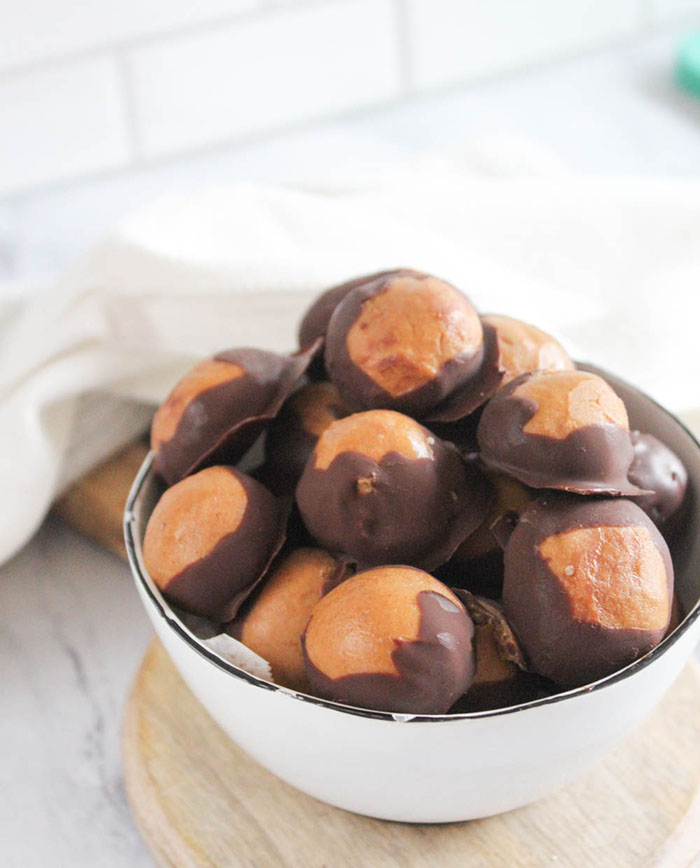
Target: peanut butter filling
190, 519
314, 406
204, 376
406, 333
613, 576
490, 664
354, 628
570, 400
273, 626
523, 348
373, 434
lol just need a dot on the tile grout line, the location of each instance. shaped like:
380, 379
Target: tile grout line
9, 241
128, 96
260, 11
404, 42
402, 98
647, 19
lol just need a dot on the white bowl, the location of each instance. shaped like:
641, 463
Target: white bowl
432, 768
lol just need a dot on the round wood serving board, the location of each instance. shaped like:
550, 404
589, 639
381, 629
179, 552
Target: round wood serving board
199, 800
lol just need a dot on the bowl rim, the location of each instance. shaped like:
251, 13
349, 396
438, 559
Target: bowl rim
140, 577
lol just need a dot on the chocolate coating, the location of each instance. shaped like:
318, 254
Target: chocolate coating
498, 682
210, 539
392, 509
461, 433
657, 468
477, 564
218, 424
476, 389
401, 639
292, 435
272, 621
591, 459
314, 323
523, 348
602, 611
427, 326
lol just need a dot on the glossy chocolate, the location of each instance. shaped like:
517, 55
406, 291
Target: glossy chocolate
558, 646
361, 392
399, 510
216, 585
591, 460
433, 670
657, 468
222, 422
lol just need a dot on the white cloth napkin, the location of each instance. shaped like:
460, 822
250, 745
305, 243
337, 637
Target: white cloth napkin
611, 266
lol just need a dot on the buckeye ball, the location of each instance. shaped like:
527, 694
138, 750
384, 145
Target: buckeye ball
498, 682
216, 411
559, 429
210, 539
314, 323
500, 678
477, 564
291, 437
271, 622
523, 348
390, 639
588, 586
404, 342
379, 488
656, 468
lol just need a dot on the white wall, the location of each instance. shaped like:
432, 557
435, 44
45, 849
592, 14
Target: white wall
88, 86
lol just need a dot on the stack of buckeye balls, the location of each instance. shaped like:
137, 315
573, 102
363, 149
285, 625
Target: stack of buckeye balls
449, 517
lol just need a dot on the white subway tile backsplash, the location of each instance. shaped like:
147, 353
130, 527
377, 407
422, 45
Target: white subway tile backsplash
453, 40
290, 65
61, 121
31, 30
666, 10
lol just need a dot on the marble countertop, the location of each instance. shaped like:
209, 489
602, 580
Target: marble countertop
72, 631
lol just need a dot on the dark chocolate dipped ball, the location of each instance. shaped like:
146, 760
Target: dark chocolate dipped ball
381, 489
559, 429
291, 437
588, 586
210, 539
218, 409
403, 342
523, 348
390, 639
657, 468
477, 564
501, 678
271, 623
498, 683
314, 323
677, 614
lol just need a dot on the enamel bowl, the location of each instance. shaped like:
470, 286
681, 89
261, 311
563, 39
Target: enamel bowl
432, 768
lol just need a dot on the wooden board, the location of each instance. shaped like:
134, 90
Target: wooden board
201, 802
95, 504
